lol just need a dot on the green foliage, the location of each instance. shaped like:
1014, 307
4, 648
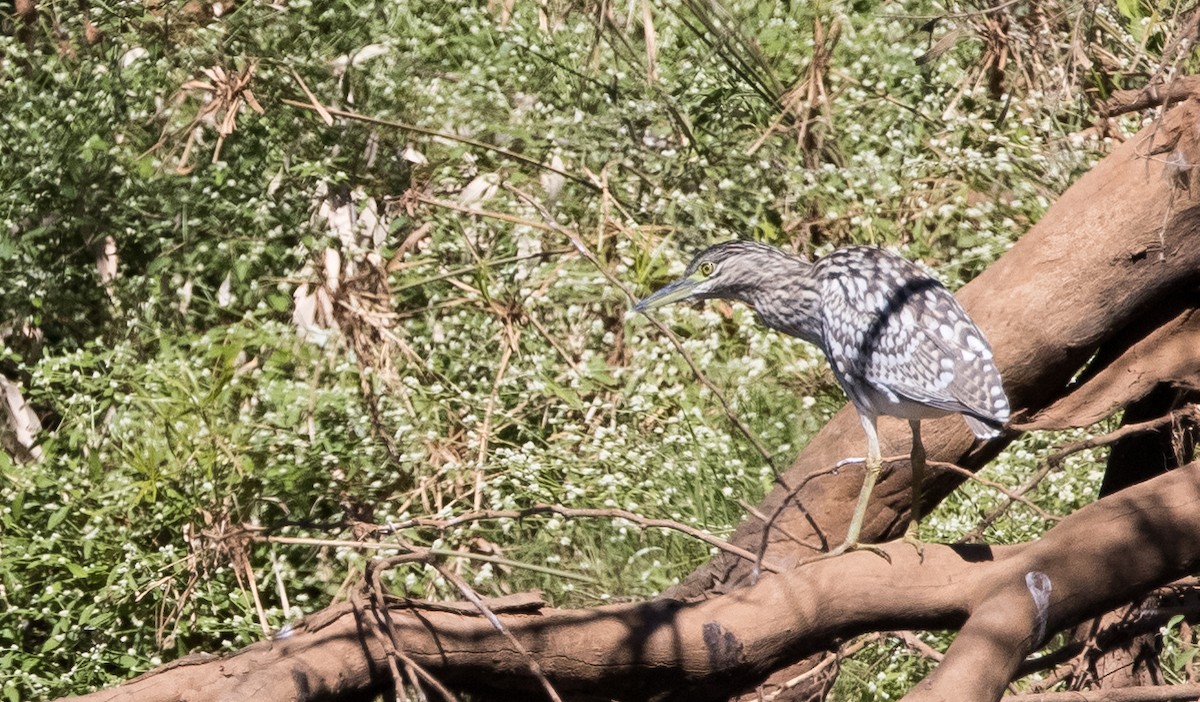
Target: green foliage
184, 413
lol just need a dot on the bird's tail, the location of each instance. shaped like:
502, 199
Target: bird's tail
984, 428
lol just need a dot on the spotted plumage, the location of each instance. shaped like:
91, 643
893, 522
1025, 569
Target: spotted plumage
901, 345
898, 341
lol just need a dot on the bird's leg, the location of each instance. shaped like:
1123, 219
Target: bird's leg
874, 463
917, 459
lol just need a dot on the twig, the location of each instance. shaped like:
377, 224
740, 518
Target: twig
476, 211
584, 513
1012, 496
915, 643
359, 117
392, 644
1153, 95
991, 517
486, 429
336, 543
769, 523
757, 514
830, 659
1190, 412
383, 619
284, 603
244, 567
474, 598
315, 103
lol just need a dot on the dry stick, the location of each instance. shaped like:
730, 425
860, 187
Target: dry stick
912, 641
425, 555
280, 587
1190, 411
383, 615
315, 104
248, 570
1154, 95
769, 523
583, 249
414, 669
991, 517
490, 214
566, 357
828, 660
757, 514
1187, 412
1012, 496
486, 429
347, 114
336, 543
474, 598
389, 644
581, 513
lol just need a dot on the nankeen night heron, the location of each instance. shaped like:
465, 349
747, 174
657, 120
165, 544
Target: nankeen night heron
899, 343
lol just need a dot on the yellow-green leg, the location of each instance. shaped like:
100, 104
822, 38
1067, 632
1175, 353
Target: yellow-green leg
917, 459
874, 464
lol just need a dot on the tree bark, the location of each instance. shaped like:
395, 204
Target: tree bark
1006, 600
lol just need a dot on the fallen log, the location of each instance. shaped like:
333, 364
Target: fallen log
1005, 600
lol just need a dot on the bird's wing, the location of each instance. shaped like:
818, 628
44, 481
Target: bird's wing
888, 325
941, 360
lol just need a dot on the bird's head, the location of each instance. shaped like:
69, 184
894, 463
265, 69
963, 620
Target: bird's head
732, 270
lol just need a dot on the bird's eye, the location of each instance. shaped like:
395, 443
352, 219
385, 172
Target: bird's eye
707, 268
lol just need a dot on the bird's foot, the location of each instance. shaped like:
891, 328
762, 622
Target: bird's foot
911, 538
847, 547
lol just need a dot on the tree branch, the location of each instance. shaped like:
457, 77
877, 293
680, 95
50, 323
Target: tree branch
1153, 95
1005, 599
1148, 693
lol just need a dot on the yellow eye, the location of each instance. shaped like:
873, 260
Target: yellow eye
707, 268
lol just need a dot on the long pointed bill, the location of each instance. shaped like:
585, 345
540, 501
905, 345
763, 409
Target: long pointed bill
679, 290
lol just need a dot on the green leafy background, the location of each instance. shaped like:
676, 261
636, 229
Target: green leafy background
181, 406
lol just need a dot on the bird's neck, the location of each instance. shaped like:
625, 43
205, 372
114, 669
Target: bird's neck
790, 304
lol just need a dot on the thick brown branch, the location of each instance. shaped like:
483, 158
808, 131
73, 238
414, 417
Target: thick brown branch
666, 649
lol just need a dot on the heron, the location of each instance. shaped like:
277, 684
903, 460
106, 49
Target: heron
898, 341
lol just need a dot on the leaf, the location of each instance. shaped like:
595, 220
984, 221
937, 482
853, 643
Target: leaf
58, 517
567, 395
1130, 9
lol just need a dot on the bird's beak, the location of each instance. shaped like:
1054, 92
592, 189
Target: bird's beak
681, 289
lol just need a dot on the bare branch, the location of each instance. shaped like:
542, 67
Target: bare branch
1148, 693
1187, 413
1153, 95
1005, 599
